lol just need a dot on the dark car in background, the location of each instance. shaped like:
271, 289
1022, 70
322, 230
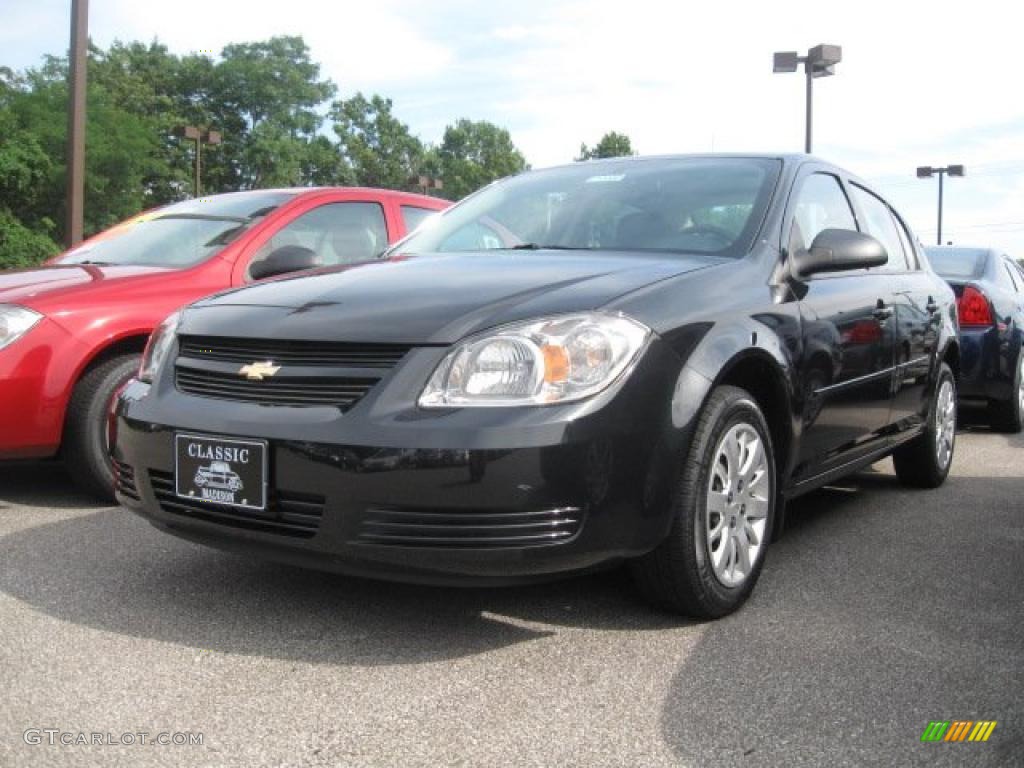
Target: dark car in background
989, 289
632, 360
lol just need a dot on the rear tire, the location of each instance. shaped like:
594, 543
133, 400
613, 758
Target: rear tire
924, 462
85, 446
1008, 415
688, 573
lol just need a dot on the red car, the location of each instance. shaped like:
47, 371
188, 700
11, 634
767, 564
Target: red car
72, 331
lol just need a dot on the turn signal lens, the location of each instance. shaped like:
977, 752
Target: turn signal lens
556, 364
973, 309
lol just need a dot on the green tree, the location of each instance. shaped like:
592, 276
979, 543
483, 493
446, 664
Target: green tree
122, 152
612, 144
377, 147
21, 246
148, 82
473, 154
264, 97
25, 170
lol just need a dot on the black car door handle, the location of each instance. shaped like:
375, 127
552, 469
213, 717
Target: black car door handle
931, 306
882, 312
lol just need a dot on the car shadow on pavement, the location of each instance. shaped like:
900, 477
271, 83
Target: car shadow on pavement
41, 484
113, 571
882, 608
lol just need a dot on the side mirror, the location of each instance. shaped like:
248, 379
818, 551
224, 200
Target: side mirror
287, 258
836, 250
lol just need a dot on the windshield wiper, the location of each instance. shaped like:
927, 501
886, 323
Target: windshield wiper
538, 247
92, 263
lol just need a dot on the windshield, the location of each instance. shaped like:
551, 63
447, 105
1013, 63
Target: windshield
957, 262
709, 205
178, 235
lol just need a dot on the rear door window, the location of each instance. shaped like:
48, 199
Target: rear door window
413, 216
1014, 276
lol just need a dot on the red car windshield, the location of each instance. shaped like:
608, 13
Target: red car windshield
179, 235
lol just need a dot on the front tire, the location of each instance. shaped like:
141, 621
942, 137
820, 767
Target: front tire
85, 448
924, 462
724, 509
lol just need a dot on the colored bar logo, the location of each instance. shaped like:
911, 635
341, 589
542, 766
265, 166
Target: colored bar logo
958, 730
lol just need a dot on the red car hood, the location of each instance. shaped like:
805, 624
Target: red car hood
62, 283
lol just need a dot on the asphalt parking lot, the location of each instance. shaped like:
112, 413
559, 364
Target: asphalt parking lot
882, 609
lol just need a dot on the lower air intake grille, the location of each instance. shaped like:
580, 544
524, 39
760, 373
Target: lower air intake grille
288, 513
467, 529
124, 480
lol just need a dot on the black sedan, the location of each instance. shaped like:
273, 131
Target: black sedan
989, 289
634, 360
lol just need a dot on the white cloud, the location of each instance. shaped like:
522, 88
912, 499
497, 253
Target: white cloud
679, 76
358, 44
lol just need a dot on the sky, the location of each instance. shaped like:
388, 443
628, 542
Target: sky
921, 83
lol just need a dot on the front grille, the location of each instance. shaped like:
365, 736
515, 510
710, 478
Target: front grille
297, 353
288, 513
340, 392
124, 480
303, 373
467, 529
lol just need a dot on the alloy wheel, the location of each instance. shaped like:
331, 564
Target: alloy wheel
1020, 388
738, 501
945, 423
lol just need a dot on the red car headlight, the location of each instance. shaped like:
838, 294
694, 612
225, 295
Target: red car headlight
158, 348
15, 322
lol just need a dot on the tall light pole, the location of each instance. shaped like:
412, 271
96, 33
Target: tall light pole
927, 171
200, 136
820, 61
77, 58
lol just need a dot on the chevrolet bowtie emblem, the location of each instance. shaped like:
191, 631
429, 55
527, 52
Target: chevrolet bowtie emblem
258, 371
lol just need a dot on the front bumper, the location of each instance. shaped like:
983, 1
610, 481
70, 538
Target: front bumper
438, 497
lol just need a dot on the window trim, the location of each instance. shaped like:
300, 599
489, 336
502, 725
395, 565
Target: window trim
1020, 270
918, 264
1015, 279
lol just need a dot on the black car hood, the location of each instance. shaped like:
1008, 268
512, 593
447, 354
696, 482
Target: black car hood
435, 299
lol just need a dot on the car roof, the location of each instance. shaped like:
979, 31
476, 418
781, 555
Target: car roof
790, 161
786, 157
310, 190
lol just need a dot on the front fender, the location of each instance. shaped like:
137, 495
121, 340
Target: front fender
725, 346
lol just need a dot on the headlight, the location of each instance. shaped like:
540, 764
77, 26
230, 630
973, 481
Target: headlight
553, 360
158, 348
15, 322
